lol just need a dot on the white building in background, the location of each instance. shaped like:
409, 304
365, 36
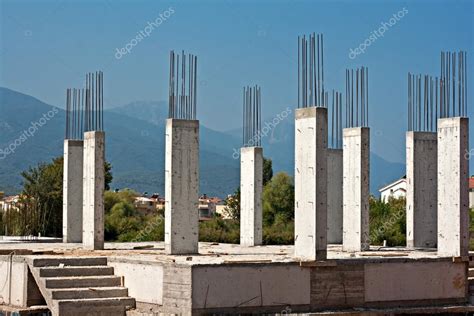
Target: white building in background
471, 192
395, 190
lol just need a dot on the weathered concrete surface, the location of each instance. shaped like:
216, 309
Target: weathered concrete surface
182, 186
356, 148
453, 186
335, 201
14, 281
72, 190
144, 280
422, 191
251, 185
311, 183
93, 190
414, 281
270, 285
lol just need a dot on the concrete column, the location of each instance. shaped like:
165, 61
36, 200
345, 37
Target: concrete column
251, 180
356, 147
311, 183
453, 187
93, 192
334, 196
72, 190
182, 186
422, 192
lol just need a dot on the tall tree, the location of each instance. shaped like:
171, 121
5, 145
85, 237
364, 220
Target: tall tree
267, 170
41, 200
279, 199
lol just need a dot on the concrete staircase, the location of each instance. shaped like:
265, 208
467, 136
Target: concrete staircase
80, 286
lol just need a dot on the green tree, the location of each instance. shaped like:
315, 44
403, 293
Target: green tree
387, 221
40, 205
279, 199
267, 170
122, 222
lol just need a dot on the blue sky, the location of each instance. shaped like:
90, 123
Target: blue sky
48, 46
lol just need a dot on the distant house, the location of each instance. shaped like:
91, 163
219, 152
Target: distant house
471, 192
207, 206
149, 205
395, 189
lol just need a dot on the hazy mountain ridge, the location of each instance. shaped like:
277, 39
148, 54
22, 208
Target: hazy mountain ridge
135, 135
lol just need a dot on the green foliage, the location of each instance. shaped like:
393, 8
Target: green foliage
219, 230
232, 204
279, 199
267, 170
112, 198
388, 222
108, 175
280, 233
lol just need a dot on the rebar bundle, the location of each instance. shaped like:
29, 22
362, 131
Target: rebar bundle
453, 94
311, 72
252, 116
182, 92
422, 103
336, 120
74, 113
357, 97
94, 105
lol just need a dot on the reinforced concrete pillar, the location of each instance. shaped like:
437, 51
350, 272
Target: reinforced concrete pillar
356, 155
422, 192
182, 186
453, 187
72, 190
311, 183
334, 196
93, 190
251, 183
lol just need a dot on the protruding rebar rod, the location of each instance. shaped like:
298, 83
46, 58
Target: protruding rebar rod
311, 71
252, 116
182, 86
357, 97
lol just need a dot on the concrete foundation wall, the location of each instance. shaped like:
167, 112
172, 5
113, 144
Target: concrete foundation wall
182, 186
251, 185
311, 183
335, 196
72, 190
453, 186
422, 191
414, 281
356, 148
13, 281
93, 190
247, 286
144, 280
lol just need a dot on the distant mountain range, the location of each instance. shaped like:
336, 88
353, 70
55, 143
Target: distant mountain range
135, 135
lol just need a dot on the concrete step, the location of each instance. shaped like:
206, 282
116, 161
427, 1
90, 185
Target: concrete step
46, 272
106, 306
70, 261
91, 292
80, 282
471, 272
